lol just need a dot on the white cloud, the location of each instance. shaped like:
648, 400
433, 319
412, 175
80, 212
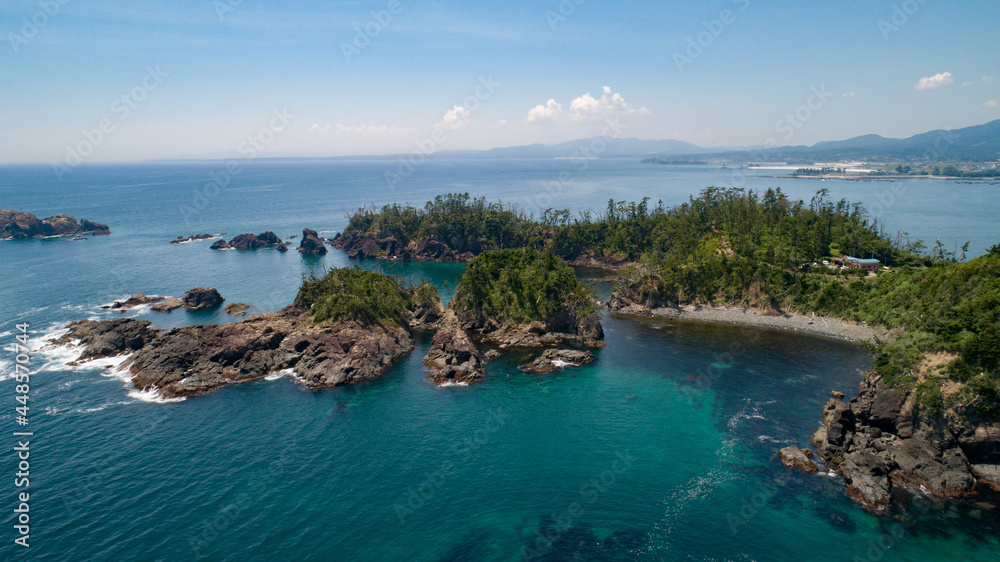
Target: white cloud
501, 123
966, 84
551, 111
992, 104
936, 81
987, 79
373, 129
848, 94
455, 118
319, 130
585, 107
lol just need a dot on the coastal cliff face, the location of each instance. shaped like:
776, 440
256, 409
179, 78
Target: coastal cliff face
19, 225
885, 438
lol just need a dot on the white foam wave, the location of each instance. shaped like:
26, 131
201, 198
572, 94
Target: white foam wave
152, 396
560, 363
280, 374
450, 384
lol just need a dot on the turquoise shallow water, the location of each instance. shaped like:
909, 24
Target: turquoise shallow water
664, 449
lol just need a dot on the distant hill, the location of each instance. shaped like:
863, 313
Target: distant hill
979, 143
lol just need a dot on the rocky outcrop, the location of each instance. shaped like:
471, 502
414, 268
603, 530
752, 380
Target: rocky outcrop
237, 309
19, 225
796, 457
192, 238
885, 438
196, 359
170, 303
553, 359
134, 301
248, 242
453, 358
201, 298
108, 338
311, 244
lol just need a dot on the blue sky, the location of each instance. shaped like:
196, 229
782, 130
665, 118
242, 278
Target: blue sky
201, 77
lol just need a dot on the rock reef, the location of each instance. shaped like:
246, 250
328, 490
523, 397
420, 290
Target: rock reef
249, 242
21, 225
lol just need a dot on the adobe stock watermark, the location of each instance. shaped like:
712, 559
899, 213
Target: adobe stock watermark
223, 8
750, 506
581, 158
462, 115
463, 447
790, 124
886, 199
47, 9
122, 108
900, 16
897, 531
563, 12
590, 492
251, 148
363, 36
696, 44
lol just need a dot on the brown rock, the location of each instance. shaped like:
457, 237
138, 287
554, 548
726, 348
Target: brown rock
201, 298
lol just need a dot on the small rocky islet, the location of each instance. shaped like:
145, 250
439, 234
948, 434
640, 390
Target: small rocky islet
311, 243
18, 225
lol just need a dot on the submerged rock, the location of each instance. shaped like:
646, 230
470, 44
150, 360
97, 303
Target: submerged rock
135, 300
192, 238
237, 309
170, 303
201, 298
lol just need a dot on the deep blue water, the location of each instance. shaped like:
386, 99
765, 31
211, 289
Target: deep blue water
664, 449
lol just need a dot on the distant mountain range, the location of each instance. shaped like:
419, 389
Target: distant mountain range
979, 142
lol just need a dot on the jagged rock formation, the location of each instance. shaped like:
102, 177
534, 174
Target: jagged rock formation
886, 438
453, 357
311, 244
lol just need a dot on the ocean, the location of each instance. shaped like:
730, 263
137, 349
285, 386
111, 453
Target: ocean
664, 449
